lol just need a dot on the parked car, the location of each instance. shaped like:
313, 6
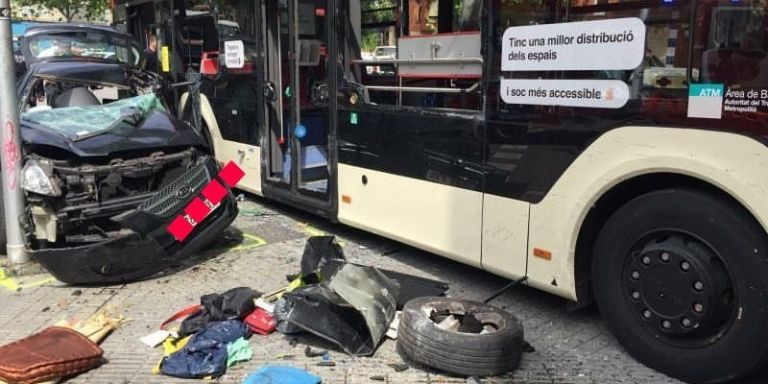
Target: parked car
381, 53
106, 167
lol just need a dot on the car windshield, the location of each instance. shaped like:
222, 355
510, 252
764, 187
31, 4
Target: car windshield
90, 44
78, 123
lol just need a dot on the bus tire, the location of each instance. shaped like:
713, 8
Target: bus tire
421, 341
681, 278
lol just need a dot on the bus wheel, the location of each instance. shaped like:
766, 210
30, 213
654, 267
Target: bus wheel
681, 278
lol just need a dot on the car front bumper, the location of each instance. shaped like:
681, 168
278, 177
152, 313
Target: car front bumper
146, 247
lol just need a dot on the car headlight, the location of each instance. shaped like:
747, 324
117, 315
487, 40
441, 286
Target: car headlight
36, 177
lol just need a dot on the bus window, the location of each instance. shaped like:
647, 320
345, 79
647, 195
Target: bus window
428, 58
731, 44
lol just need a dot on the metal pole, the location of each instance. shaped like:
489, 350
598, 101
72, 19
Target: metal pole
10, 142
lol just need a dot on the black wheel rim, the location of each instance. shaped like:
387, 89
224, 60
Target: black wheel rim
679, 288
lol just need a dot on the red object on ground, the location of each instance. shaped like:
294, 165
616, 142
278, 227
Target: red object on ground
261, 322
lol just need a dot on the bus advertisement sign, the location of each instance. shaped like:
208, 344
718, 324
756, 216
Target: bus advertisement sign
568, 93
577, 46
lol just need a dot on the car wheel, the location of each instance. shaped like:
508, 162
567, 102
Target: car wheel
681, 278
484, 340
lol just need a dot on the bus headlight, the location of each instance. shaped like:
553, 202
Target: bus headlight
36, 177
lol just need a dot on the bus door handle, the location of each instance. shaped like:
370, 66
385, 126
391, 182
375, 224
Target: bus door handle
269, 91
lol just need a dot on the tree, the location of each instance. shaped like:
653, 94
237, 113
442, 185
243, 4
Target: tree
69, 9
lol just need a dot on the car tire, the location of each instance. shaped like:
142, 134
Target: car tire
681, 278
421, 341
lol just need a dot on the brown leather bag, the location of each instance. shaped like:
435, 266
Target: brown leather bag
54, 352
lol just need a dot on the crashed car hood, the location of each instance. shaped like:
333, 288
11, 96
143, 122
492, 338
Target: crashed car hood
157, 131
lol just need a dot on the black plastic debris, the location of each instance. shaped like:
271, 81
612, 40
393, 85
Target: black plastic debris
351, 309
318, 251
234, 304
412, 287
323, 256
347, 304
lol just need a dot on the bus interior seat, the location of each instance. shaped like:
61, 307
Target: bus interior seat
75, 97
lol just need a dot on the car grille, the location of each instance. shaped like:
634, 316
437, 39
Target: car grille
175, 196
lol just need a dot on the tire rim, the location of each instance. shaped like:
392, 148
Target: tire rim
481, 321
679, 288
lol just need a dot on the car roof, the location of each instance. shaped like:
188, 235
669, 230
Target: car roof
71, 27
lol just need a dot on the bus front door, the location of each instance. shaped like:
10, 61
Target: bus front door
297, 89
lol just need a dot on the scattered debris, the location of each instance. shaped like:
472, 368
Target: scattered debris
155, 338
77, 292
261, 322
236, 303
281, 374
326, 364
46, 309
49, 354
206, 353
66, 349
392, 330
309, 352
474, 380
378, 378
399, 367
238, 351
528, 348
333, 298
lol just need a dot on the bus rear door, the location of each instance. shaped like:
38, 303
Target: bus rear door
298, 123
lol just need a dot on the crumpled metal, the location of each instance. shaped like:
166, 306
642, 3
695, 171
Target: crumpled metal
352, 308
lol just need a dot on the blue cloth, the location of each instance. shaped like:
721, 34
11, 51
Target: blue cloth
278, 374
206, 352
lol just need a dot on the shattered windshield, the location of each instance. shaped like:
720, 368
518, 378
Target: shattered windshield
78, 123
90, 44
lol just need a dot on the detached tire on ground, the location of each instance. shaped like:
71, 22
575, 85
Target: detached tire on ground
464, 351
681, 277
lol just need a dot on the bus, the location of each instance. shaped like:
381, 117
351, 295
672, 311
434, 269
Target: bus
607, 151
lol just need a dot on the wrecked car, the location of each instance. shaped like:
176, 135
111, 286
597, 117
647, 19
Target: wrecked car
106, 166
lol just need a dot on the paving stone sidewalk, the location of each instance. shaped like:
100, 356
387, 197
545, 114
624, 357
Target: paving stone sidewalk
259, 250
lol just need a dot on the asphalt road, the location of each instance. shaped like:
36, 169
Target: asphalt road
259, 250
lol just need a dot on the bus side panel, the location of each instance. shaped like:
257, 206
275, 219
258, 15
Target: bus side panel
505, 236
733, 163
246, 156
438, 218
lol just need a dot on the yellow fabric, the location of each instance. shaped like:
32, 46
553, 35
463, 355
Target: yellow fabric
295, 284
170, 345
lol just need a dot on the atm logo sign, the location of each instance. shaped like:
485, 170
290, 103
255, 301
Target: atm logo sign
705, 101
713, 92
200, 208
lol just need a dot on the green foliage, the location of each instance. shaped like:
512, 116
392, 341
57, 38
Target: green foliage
69, 9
